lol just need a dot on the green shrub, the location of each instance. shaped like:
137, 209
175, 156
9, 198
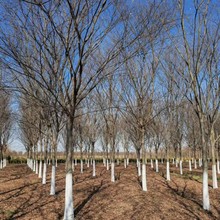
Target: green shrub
18, 160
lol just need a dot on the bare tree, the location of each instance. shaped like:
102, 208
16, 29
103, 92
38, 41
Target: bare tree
67, 42
109, 101
197, 60
5, 123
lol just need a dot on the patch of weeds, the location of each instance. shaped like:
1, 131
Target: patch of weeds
195, 177
186, 176
9, 213
183, 176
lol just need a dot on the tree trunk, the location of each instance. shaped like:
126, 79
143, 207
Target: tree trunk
214, 172
144, 177
217, 153
152, 164
168, 170
144, 174
181, 167
53, 169
81, 158
156, 165
125, 163
168, 164
81, 166
44, 172
176, 160
93, 169
40, 170
127, 157
69, 210
53, 179
40, 165
139, 162
113, 170
107, 164
45, 163
206, 202
195, 163
190, 165
36, 167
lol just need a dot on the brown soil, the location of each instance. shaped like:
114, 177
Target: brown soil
22, 196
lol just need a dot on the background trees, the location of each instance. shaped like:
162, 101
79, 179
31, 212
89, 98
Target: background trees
197, 51
6, 122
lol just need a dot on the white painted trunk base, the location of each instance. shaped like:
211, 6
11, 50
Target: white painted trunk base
206, 202
156, 164
4, 162
190, 165
113, 171
200, 162
173, 161
139, 168
31, 164
81, 166
40, 170
151, 164
53, 180
168, 171
56, 162
195, 164
218, 167
88, 163
118, 162
144, 178
181, 167
107, 167
69, 211
36, 167
93, 168
214, 177
125, 163
44, 173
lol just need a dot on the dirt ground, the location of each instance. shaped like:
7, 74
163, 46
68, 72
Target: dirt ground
22, 196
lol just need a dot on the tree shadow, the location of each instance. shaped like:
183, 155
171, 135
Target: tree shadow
18, 191
188, 194
95, 190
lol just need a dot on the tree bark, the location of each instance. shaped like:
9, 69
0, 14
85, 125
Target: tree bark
69, 210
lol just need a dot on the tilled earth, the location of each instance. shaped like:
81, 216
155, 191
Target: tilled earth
22, 196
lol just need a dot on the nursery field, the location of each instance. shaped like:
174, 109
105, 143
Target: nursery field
22, 196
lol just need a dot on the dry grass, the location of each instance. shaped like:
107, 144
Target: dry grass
22, 196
